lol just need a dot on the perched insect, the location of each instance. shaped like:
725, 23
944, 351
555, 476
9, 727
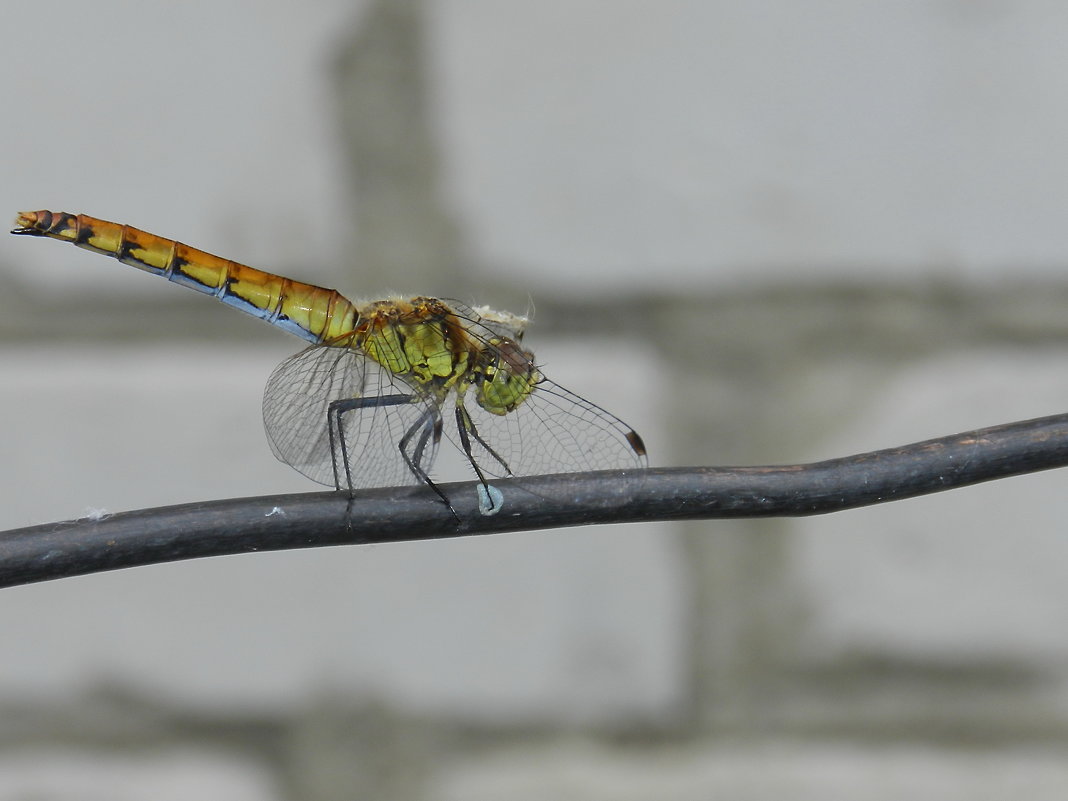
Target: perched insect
366, 404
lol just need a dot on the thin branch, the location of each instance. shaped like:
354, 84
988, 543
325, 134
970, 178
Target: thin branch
310, 520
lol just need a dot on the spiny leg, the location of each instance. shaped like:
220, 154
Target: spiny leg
430, 425
468, 431
338, 446
466, 426
420, 448
334, 411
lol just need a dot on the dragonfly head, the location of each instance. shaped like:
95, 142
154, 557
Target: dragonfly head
505, 375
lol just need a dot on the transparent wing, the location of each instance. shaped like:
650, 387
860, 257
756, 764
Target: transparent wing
296, 406
552, 431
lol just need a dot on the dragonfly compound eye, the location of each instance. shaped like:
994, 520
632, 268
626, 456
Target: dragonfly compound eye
507, 379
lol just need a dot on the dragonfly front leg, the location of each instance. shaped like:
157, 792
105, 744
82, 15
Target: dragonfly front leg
468, 431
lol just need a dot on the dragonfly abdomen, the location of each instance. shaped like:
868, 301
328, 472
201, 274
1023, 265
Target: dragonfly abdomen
310, 312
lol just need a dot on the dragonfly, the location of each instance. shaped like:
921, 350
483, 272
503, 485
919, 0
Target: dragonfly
366, 404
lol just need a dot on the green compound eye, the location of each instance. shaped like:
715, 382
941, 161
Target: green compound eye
507, 379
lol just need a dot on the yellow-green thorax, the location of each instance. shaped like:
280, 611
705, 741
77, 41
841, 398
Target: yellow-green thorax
421, 338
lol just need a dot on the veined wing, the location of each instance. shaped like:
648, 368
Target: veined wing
552, 431
296, 411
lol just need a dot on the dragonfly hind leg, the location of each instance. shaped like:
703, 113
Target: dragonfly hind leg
428, 427
339, 452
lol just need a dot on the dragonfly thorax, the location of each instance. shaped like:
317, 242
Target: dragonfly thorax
420, 338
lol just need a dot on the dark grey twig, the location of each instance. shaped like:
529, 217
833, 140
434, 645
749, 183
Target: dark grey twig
310, 520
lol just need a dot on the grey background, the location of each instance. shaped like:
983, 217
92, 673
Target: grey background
764, 232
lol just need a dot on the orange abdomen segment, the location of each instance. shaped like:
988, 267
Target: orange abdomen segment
310, 312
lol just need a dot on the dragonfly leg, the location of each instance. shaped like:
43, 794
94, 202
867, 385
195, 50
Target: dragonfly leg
416, 461
468, 431
333, 418
339, 451
429, 425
